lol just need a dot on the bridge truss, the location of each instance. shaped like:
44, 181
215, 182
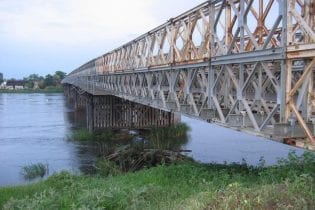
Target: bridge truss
243, 64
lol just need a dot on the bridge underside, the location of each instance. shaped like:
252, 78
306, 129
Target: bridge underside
184, 90
111, 112
244, 64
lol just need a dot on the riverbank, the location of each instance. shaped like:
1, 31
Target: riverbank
185, 185
46, 90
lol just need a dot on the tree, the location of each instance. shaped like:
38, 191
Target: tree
60, 74
28, 83
49, 80
32, 79
1, 78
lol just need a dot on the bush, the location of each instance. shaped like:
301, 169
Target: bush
107, 168
85, 135
168, 138
82, 135
35, 170
184, 185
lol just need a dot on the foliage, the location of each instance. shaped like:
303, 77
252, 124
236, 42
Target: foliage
107, 168
34, 171
174, 131
178, 186
1, 78
85, 135
44, 82
82, 135
59, 75
49, 81
168, 138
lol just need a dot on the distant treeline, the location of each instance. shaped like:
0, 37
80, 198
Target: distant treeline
34, 81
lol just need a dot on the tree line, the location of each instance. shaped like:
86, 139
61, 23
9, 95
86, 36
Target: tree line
50, 80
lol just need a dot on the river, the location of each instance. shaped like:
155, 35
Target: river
36, 128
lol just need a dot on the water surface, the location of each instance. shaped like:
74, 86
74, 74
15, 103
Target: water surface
35, 128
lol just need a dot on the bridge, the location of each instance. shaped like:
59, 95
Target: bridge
243, 64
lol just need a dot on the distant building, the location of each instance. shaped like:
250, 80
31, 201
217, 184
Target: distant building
1, 77
15, 84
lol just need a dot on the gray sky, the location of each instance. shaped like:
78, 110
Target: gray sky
42, 36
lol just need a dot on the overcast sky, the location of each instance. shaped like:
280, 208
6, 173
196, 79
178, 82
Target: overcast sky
42, 36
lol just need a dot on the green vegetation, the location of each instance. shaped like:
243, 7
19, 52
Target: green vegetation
34, 171
174, 131
157, 137
107, 168
189, 185
172, 137
38, 84
34, 81
84, 135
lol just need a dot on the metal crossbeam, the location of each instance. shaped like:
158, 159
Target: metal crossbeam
244, 64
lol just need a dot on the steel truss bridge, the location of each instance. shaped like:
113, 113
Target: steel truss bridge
243, 64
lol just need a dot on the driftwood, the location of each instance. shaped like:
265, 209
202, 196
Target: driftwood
131, 159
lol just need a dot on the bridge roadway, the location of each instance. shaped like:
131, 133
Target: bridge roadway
244, 64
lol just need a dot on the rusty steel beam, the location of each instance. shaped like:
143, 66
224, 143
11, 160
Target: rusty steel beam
243, 64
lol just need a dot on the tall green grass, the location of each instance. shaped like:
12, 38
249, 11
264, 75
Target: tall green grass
290, 185
171, 138
34, 171
84, 135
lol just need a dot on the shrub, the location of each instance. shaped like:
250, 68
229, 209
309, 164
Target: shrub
82, 135
107, 168
168, 138
34, 170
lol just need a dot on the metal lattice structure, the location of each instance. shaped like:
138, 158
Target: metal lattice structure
244, 64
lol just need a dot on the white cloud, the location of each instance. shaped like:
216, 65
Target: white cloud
40, 36
74, 21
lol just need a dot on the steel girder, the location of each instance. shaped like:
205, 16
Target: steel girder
241, 63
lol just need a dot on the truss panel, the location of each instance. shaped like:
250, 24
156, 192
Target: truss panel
244, 64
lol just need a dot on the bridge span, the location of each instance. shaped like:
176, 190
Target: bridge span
244, 64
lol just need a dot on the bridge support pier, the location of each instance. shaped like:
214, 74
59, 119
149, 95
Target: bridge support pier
90, 113
111, 112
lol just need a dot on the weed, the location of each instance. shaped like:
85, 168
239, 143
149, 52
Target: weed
34, 171
186, 185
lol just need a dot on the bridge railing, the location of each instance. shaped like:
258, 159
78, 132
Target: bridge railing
214, 28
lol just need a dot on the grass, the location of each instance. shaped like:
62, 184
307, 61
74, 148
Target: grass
174, 131
158, 137
46, 90
34, 171
189, 185
172, 137
84, 135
